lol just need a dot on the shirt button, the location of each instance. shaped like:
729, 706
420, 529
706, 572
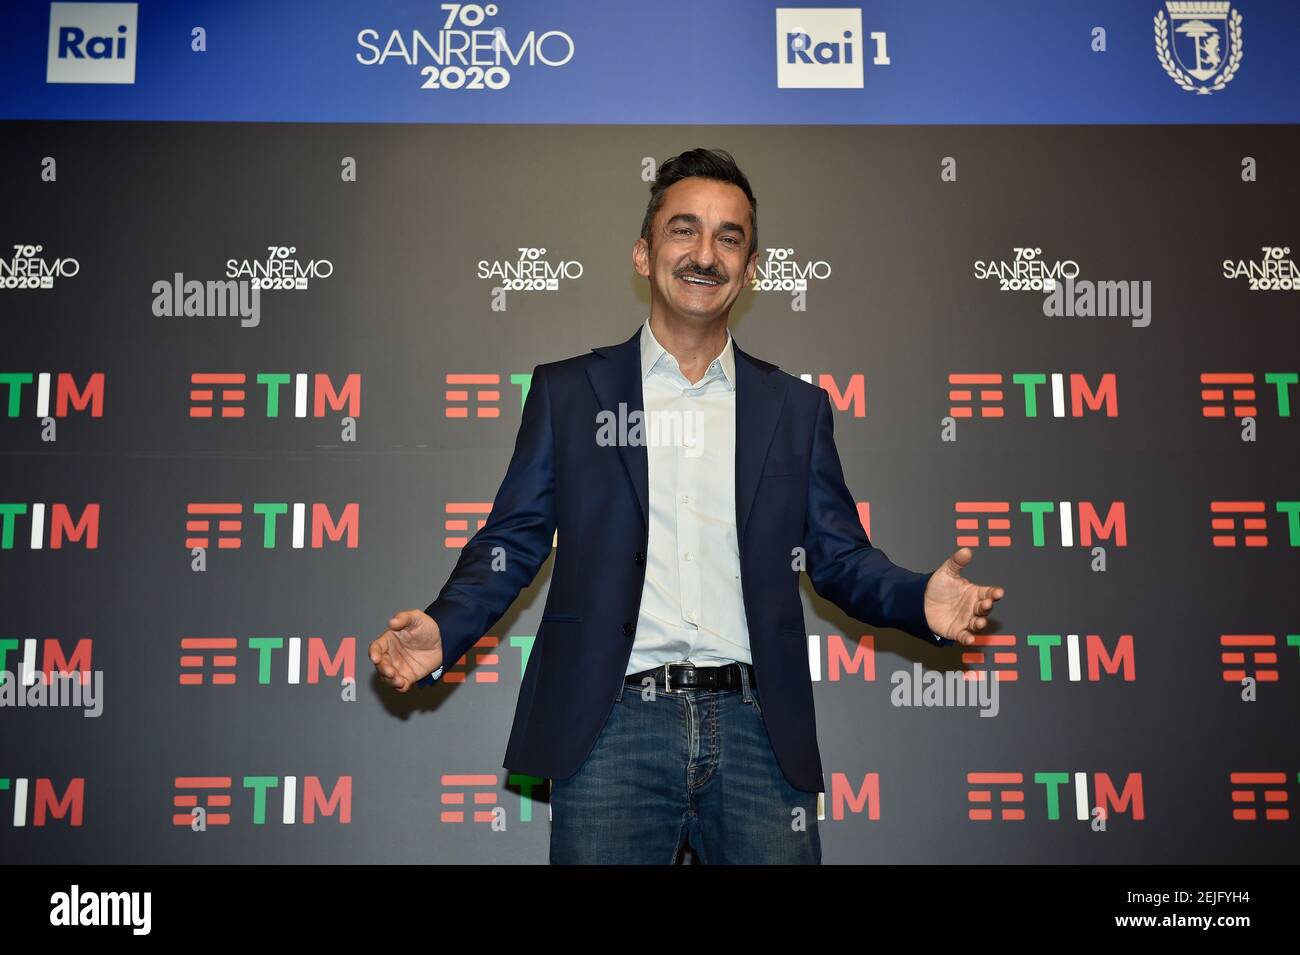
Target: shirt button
686, 499
690, 615
640, 557
686, 555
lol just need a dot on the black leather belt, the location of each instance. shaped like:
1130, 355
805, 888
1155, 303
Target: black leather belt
687, 676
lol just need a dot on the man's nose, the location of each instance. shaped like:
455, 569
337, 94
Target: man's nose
703, 253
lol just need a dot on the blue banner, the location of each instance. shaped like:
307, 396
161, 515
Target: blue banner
668, 62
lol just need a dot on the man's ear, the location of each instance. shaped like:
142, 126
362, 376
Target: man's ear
752, 267
641, 257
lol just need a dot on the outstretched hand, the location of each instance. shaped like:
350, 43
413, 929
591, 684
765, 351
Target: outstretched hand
409, 650
955, 608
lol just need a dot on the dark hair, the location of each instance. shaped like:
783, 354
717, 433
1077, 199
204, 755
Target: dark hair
705, 164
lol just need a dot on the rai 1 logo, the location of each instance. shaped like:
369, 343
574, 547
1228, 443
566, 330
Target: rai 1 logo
1199, 45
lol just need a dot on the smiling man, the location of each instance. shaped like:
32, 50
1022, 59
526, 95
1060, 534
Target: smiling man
667, 696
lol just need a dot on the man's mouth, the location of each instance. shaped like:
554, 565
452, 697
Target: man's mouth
700, 280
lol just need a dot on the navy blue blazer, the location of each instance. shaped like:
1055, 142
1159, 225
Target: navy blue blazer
790, 493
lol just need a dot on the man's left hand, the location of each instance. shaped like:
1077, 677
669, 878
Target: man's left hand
955, 608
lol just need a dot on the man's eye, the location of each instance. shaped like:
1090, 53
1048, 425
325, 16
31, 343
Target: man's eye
732, 239
679, 231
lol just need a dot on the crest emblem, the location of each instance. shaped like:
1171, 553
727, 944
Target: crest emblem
1199, 45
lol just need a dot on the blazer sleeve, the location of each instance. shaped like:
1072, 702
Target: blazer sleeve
521, 523
844, 566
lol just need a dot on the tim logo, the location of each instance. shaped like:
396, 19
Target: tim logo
91, 43
822, 47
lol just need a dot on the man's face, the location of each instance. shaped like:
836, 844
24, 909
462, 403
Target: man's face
699, 261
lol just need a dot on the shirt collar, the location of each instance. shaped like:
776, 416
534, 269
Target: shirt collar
652, 352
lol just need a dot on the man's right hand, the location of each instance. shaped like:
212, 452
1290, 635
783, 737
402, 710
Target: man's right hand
409, 650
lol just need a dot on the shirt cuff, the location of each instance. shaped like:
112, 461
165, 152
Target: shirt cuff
431, 679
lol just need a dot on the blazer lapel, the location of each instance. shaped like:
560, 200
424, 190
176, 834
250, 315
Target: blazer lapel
617, 383
759, 398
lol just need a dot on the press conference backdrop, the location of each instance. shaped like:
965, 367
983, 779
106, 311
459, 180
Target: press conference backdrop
1041, 259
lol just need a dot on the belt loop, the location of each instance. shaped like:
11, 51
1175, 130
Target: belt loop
744, 682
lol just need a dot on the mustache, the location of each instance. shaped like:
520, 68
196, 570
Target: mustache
702, 273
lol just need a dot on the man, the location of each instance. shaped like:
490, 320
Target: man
668, 693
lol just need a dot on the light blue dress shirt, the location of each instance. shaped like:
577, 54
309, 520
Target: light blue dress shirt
692, 606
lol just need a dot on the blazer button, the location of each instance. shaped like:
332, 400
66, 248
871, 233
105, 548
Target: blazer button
640, 557
628, 629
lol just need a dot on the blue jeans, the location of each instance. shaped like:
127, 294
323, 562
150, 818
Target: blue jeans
693, 763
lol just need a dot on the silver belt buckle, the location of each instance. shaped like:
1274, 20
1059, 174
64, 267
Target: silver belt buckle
667, 682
